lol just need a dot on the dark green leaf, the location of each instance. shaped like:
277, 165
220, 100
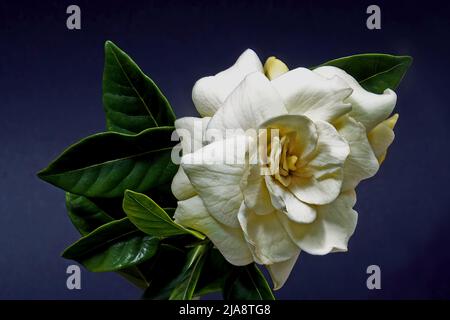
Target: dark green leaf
166, 266
113, 246
216, 270
151, 218
187, 282
374, 72
85, 215
106, 164
132, 101
247, 283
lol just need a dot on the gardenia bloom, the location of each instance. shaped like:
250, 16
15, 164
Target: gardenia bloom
332, 134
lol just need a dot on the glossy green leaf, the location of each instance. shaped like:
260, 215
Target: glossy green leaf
167, 265
247, 283
187, 282
151, 218
106, 164
217, 270
113, 246
85, 215
374, 72
131, 100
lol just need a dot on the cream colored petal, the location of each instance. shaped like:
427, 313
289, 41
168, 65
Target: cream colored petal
193, 214
361, 163
256, 195
307, 93
368, 108
302, 127
321, 180
285, 201
273, 68
267, 239
249, 105
216, 171
191, 131
182, 188
209, 93
382, 136
330, 232
280, 271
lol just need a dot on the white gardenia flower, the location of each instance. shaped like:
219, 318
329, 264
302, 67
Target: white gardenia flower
304, 199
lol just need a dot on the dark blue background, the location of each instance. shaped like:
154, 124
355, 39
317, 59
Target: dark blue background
50, 96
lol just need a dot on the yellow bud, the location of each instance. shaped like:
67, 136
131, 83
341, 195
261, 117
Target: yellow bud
392, 121
274, 68
380, 138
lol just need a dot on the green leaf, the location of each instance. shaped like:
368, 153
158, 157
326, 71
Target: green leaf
187, 282
217, 271
106, 164
375, 72
165, 268
131, 100
113, 246
247, 283
84, 214
151, 218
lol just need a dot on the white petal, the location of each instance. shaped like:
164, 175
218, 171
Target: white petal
280, 271
230, 241
256, 195
191, 131
285, 201
266, 237
382, 136
209, 93
305, 132
361, 163
367, 107
330, 232
249, 105
322, 181
182, 188
216, 171
307, 93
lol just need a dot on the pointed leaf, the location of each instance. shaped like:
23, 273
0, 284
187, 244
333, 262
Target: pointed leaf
187, 282
247, 283
375, 72
84, 214
106, 164
151, 218
131, 100
113, 246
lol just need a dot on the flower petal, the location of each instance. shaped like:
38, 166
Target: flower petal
382, 136
307, 93
368, 108
304, 129
280, 271
216, 171
322, 181
273, 68
361, 163
209, 93
193, 214
256, 195
250, 104
181, 187
332, 229
266, 237
285, 201
191, 131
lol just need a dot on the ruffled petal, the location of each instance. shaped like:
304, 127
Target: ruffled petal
181, 187
280, 271
266, 237
307, 93
330, 232
231, 243
209, 93
367, 107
